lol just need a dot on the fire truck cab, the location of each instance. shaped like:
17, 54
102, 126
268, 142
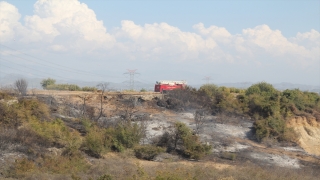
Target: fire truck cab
167, 85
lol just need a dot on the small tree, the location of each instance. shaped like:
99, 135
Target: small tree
84, 98
199, 117
103, 87
21, 85
46, 82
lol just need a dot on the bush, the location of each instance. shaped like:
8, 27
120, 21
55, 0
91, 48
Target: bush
193, 148
184, 98
143, 90
295, 101
183, 140
10, 116
15, 114
90, 89
65, 87
272, 127
100, 140
96, 142
260, 88
209, 89
56, 133
47, 82
35, 108
147, 152
127, 135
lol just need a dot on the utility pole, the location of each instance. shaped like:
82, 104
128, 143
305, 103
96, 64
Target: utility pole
207, 79
131, 73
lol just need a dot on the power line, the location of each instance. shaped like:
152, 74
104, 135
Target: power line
32, 69
67, 69
29, 72
41, 59
40, 63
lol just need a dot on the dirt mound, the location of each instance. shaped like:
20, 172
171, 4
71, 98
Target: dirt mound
309, 131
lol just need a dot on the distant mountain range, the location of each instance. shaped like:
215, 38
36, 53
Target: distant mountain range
35, 83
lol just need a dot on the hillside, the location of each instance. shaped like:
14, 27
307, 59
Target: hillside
51, 149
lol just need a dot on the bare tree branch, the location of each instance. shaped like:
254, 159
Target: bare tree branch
199, 117
84, 106
21, 85
103, 87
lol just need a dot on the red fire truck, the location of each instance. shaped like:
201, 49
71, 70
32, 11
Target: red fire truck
165, 85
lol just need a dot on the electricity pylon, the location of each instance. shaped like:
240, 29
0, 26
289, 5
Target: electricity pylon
207, 79
131, 73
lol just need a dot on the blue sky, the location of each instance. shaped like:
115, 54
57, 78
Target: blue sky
230, 41
288, 16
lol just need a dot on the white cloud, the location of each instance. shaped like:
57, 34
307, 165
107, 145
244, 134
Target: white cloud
213, 32
160, 39
309, 40
9, 17
57, 23
58, 48
272, 41
279, 47
70, 26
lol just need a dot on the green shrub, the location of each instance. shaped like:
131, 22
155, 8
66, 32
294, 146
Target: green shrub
193, 148
185, 141
265, 105
47, 82
271, 127
10, 115
33, 107
143, 90
127, 135
96, 142
64, 87
191, 145
13, 115
147, 152
224, 89
260, 88
295, 101
100, 140
90, 89
208, 89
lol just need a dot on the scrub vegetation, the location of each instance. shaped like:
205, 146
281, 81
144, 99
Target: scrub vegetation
261, 102
50, 84
52, 149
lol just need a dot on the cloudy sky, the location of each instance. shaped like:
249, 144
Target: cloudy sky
96, 40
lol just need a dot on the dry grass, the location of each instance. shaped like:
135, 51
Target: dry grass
115, 167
